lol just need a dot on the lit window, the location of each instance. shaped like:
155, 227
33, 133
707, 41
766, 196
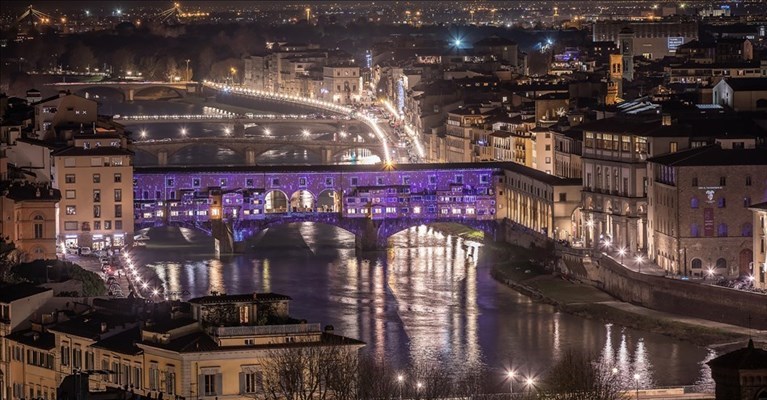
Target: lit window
416, 210
470, 211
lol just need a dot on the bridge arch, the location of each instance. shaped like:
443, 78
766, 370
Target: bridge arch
140, 91
329, 200
389, 228
90, 92
275, 201
361, 146
302, 200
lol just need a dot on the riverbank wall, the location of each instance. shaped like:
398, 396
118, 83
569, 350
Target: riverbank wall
676, 296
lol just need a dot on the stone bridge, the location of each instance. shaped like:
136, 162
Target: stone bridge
132, 88
370, 201
252, 148
256, 119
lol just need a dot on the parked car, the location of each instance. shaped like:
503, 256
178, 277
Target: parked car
85, 251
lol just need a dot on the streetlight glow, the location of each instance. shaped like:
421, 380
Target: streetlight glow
183, 131
305, 132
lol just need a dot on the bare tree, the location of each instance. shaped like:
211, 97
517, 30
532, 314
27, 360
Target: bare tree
579, 377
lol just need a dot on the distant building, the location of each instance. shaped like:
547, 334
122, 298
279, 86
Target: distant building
760, 244
700, 221
650, 39
741, 374
341, 84
742, 94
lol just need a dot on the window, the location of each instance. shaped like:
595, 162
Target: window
563, 197
302, 182
38, 226
170, 382
722, 181
118, 178
721, 263
69, 194
96, 178
69, 178
694, 230
118, 224
697, 263
71, 210
209, 385
70, 225
64, 355
354, 181
154, 377
694, 182
97, 196
117, 161
107, 224
253, 382
673, 147
118, 195
96, 225
328, 181
249, 182
379, 180
196, 182
722, 230
118, 211
69, 162
432, 179
694, 202
275, 181
746, 202
748, 180
223, 182
95, 161
722, 202
746, 230
459, 179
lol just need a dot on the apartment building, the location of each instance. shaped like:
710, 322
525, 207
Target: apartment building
95, 177
341, 83
698, 209
760, 244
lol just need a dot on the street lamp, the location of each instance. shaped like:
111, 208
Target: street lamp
233, 71
636, 380
183, 131
305, 132
143, 133
639, 260
267, 132
187, 69
511, 374
529, 383
400, 381
622, 252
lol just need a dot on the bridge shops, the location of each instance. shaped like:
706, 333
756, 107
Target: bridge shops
245, 200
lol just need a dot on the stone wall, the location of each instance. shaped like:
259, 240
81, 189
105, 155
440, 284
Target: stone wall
681, 297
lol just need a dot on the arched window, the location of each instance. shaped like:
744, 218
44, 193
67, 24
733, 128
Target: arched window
694, 230
694, 202
746, 229
38, 226
722, 231
697, 263
722, 202
721, 263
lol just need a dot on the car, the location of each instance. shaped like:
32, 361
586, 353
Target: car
85, 251
72, 250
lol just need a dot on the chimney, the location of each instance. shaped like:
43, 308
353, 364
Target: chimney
103, 327
37, 192
666, 119
329, 329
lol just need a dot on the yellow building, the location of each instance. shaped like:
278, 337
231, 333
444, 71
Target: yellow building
28, 213
223, 347
95, 176
760, 245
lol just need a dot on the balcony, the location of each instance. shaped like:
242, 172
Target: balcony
265, 330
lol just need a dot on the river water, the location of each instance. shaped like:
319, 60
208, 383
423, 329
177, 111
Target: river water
428, 298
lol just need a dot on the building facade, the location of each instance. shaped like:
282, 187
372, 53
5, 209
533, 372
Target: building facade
760, 244
700, 222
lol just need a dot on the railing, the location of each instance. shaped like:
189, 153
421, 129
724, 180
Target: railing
230, 331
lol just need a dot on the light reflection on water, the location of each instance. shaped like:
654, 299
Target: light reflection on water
425, 298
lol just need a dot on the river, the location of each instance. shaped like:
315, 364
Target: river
422, 300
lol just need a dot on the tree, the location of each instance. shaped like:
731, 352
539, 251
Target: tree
579, 377
81, 57
123, 60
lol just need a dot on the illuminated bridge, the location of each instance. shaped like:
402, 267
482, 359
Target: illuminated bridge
257, 118
251, 148
373, 202
131, 88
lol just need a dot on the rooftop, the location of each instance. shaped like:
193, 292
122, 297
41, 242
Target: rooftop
22, 191
40, 340
747, 358
199, 342
713, 155
12, 293
237, 298
170, 324
747, 84
123, 342
94, 151
90, 325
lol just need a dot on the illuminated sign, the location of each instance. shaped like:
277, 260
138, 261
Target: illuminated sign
674, 42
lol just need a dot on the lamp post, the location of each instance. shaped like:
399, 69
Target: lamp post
636, 381
510, 374
621, 253
529, 383
400, 381
187, 69
639, 260
418, 386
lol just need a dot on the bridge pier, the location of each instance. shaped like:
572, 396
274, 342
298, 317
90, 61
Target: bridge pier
162, 157
239, 129
129, 94
366, 239
250, 157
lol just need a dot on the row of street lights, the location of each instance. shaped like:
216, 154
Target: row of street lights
622, 253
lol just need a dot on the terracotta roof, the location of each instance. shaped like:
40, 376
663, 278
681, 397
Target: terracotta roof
40, 340
123, 343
